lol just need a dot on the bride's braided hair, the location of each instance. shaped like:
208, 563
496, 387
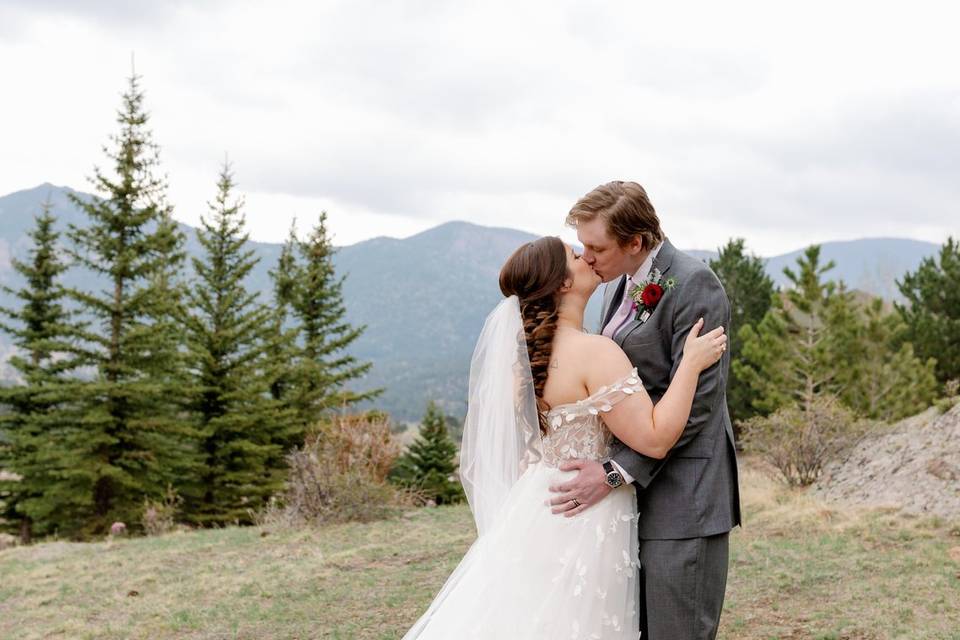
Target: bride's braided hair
534, 273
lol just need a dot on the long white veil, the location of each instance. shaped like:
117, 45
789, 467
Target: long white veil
501, 434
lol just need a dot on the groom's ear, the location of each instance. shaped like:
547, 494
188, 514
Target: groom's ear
635, 245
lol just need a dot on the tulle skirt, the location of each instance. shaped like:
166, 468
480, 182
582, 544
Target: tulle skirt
537, 575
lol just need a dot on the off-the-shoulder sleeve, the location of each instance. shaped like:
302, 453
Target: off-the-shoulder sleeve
601, 401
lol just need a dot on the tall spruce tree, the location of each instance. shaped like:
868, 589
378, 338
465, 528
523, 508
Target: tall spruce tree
430, 463
931, 310
786, 359
226, 334
281, 348
750, 291
323, 366
131, 441
39, 407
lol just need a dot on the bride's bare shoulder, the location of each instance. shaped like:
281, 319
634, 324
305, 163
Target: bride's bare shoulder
597, 347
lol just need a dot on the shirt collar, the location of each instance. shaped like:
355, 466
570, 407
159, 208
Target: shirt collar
647, 265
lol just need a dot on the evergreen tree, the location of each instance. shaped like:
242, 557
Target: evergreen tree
787, 358
932, 310
282, 345
818, 341
131, 441
430, 463
323, 367
281, 351
750, 291
226, 332
39, 406
884, 379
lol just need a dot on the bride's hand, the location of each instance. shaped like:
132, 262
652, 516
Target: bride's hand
703, 351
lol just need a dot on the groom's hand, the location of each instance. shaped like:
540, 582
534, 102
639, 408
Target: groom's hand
587, 489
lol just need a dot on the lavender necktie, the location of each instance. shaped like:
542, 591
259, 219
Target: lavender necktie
624, 312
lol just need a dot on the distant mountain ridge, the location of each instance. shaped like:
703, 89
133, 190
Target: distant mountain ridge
424, 298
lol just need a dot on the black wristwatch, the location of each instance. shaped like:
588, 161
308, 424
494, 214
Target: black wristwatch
614, 479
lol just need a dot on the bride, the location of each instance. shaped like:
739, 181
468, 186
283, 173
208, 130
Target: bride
542, 391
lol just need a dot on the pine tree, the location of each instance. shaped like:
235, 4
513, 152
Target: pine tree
226, 331
932, 310
38, 407
787, 358
818, 341
750, 291
430, 463
884, 379
281, 350
131, 441
323, 366
282, 345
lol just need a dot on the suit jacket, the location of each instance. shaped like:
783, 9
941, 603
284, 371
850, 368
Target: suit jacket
694, 491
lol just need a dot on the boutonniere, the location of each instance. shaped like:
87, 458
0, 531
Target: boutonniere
647, 294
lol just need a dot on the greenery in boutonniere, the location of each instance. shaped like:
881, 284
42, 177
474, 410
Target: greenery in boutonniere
647, 294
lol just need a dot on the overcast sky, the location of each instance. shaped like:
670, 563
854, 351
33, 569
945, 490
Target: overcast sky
783, 123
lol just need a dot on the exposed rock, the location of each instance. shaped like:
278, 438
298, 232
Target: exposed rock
914, 466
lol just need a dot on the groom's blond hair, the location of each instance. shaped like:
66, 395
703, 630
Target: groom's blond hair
626, 210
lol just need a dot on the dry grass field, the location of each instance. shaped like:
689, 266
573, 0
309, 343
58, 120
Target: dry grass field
799, 569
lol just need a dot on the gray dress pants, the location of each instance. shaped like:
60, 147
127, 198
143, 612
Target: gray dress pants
683, 584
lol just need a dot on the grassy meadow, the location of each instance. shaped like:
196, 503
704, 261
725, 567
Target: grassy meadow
799, 569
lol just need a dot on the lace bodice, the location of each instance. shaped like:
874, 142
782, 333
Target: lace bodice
576, 428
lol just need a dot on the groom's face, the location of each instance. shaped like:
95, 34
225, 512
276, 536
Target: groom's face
602, 252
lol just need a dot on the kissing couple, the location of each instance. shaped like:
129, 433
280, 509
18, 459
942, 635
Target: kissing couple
600, 469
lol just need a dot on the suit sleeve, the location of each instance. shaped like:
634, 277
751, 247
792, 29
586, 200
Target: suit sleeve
701, 296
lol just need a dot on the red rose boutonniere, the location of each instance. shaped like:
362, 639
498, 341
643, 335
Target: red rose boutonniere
647, 295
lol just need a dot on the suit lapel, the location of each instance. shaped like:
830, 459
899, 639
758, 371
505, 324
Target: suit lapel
662, 262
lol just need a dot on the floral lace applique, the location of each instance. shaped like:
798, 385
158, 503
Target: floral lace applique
576, 428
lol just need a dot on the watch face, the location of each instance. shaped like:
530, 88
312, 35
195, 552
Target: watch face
614, 479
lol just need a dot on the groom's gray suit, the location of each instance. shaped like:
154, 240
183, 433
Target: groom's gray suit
690, 500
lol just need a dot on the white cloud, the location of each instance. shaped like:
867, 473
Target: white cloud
782, 124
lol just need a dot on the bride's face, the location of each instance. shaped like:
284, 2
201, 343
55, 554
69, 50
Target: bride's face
584, 279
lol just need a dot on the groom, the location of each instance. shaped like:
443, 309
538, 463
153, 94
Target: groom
690, 500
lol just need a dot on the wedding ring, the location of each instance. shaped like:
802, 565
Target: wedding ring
576, 503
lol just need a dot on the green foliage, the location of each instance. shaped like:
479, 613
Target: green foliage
884, 379
226, 331
429, 466
131, 440
817, 339
787, 357
38, 408
932, 310
314, 380
281, 347
750, 291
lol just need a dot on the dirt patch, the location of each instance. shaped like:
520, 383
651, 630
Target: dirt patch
914, 467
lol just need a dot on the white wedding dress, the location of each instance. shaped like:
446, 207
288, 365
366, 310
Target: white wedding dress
532, 574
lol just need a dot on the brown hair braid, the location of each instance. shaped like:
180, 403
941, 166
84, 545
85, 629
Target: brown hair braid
534, 273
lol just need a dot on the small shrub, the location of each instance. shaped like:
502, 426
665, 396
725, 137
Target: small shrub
159, 516
340, 474
798, 441
950, 396
430, 465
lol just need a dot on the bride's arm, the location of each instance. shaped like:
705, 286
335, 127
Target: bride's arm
635, 421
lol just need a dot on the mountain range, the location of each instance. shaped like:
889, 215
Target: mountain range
423, 299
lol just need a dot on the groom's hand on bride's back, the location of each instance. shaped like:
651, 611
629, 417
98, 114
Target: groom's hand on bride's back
586, 489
